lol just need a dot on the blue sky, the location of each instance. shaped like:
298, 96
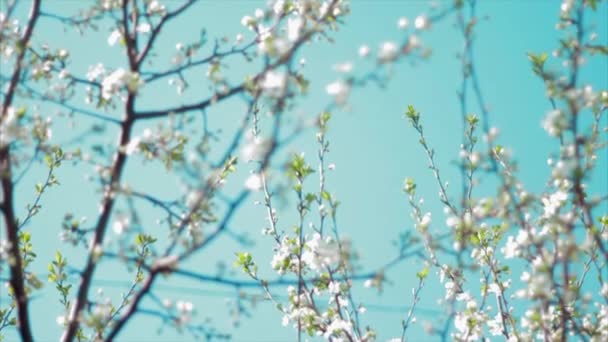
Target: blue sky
372, 145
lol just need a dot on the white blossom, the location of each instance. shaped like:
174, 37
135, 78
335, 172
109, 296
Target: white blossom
345, 67
337, 327
144, 28
185, 310
155, 7
121, 224
254, 182
10, 129
114, 37
133, 146
388, 52
294, 28
95, 71
495, 325
114, 82
364, 51
339, 90
334, 287
421, 22
274, 83
255, 149
555, 122
552, 203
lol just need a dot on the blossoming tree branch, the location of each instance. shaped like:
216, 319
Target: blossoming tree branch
219, 116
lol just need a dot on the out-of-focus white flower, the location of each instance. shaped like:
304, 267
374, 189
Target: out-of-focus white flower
274, 83
63, 74
566, 6
193, 198
132, 146
421, 22
339, 90
155, 7
63, 53
425, 221
334, 287
95, 71
364, 51
604, 290
254, 182
144, 28
10, 130
259, 13
114, 37
338, 327
185, 310
402, 23
555, 122
494, 288
553, 203
388, 52
255, 149
495, 325
345, 67
294, 28
278, 7
121, 224
113, 83
320, 253
248, 22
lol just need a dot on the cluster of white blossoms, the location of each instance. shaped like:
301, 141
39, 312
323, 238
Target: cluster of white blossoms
285, 257
321, 253
148, 137
302, 15
327, 323
155, 7
388, 52
274, 83
10, 31
10, 129
468, 322
555, 122
181, 311
112, 83
185, 310
17, 126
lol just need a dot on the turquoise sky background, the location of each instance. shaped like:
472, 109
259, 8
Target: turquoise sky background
372, 145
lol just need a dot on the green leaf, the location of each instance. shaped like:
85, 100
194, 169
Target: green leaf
326, 196
48, 159
423, 273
